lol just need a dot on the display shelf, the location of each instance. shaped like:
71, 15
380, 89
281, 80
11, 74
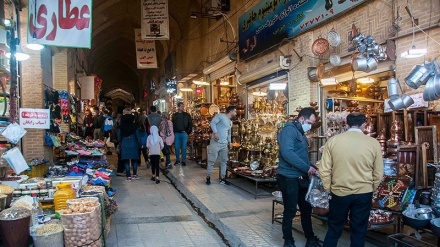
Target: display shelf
250, 178
360, 99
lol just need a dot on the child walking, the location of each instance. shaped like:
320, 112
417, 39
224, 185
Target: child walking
154, 145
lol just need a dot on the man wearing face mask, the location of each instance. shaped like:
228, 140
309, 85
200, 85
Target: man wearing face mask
292, 175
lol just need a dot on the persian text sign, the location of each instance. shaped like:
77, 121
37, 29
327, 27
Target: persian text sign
60, 22
155, 20
34, 118
270, 21
145, 52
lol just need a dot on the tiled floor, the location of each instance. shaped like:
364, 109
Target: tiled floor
152, 214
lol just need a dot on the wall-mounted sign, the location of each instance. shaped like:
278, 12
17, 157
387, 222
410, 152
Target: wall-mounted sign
34, 118
155, 20
171, 86
60, 23
145, 52
270, 21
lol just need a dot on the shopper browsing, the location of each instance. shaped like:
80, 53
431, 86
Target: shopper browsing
182, 124
292, 175
154, 145
129, 140
154, 118
167, 134
351, 168
220, 142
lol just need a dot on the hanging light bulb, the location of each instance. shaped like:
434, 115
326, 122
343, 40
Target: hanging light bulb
20, 55
413, 52
259, 93
33, 44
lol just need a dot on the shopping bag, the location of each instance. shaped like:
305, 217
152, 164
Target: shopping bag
316, 194
16, 160
14, 132
109, 143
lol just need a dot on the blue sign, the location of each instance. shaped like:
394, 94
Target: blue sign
270, 21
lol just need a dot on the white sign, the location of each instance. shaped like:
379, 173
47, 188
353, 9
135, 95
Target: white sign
34, 118
145, 52
155, 20
60, 23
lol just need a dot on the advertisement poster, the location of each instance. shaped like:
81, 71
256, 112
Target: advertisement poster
31, 118
145, 52
155, 19
270, 21
63, 23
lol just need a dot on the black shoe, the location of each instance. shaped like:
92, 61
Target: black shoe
169, 166
208, 180
341, 1
153, 178
177, 163
183, 163
313, 242
222, 181
289, 243
157, 181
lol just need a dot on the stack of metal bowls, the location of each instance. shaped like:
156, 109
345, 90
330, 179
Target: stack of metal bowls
435, 194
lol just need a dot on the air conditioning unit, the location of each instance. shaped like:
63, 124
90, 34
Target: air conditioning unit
217, 5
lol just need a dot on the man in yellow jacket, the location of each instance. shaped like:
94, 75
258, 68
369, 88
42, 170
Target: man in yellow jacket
351, 168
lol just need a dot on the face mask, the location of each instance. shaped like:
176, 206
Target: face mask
306, 127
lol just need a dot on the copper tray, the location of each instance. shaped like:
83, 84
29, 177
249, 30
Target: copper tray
320, 46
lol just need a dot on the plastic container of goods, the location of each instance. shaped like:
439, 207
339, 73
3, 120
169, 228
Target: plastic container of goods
63, 193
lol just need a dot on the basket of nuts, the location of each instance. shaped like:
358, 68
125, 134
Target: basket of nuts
48, 235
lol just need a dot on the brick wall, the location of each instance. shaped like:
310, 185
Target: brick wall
60, 76
31, 94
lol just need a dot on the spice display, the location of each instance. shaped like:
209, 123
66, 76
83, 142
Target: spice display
6, 189
14, 213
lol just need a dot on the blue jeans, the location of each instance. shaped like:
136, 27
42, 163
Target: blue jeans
293, 196
127, 167
180, 142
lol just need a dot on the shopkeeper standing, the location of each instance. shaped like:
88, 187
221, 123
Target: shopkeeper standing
351, 168
292, 175
182, 124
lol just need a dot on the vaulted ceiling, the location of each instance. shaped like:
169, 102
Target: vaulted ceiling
113, 56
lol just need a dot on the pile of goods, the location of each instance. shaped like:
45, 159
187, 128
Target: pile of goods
379, 216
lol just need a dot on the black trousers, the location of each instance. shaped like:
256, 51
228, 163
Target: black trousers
293, 196
143, 152
155, 161
357, 207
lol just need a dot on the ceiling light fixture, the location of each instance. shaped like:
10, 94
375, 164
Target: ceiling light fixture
201, 83
185, 89
33, 44
365, 80
20, 55
277, 86
328, 81
413, 52
259, 93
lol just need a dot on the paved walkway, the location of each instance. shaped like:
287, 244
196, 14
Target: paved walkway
175, 212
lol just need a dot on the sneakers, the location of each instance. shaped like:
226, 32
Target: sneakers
222, 181
183, 163
129, 179
289, 243
135, 177
157, 180
208, 180
177, 163
313, 242
153, 178
169, 166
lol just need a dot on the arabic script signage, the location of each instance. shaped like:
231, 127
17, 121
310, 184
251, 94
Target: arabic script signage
155, 20
145, 52
34, 118
270, 21
60, 22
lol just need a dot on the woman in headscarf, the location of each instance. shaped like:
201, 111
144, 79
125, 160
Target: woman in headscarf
167, 134
130, 142
154, 145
